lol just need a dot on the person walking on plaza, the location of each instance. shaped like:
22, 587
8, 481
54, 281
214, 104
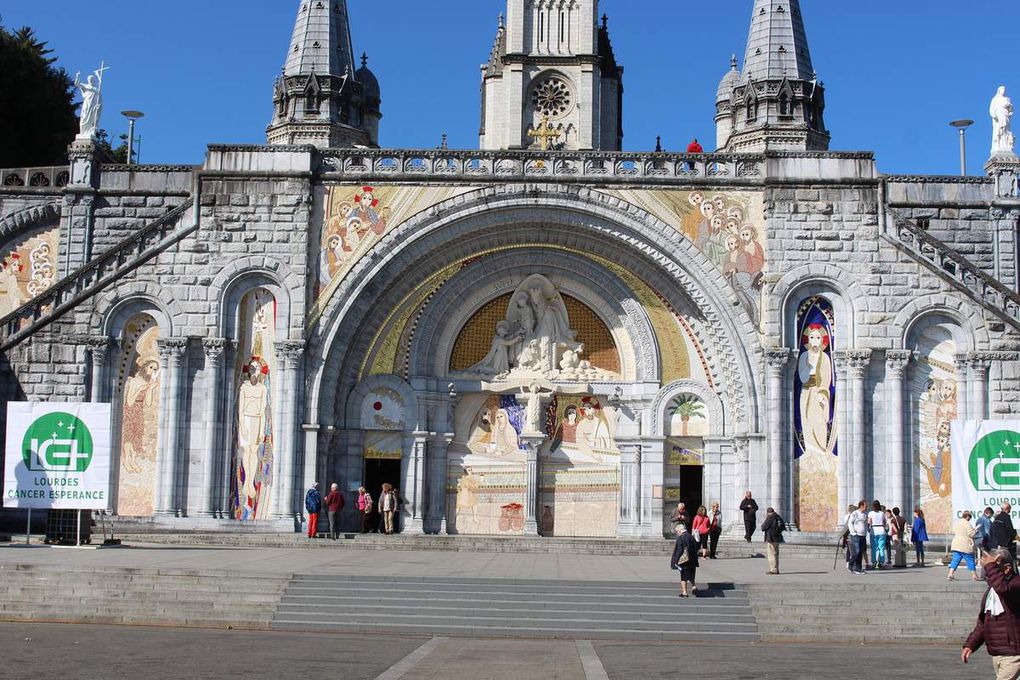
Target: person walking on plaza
897, 534
685, 560
715, 530
313, 505
877, 525
334, 504
919, 536
387, 505
700, 527
998, 623
749, 507
1003, 533
857, 523
773, 528
365, 509
963, 546
846, 538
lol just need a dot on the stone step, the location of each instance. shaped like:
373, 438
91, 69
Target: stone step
501, 592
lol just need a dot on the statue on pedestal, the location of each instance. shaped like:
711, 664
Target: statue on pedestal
1001, 111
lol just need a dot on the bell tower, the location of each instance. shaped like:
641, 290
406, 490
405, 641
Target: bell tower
319, 98
552, 67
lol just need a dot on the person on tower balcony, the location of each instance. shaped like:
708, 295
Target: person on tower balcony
695, 147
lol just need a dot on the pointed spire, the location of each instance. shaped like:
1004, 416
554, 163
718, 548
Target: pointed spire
322, 40
777, 45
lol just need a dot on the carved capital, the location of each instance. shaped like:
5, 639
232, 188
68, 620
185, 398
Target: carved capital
776, 359
979, 362
292, 351
214, 347
896, 360
172, 349
857, 361
99, 346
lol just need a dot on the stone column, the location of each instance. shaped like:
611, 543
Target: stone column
779, 457
172, 354
858, 361
210, 503
630, 473
896, 361
100, 350
284, 502
309, 468
414, 486
963, 387
979, 363
742, 455
532, 442
844, 435
437, 493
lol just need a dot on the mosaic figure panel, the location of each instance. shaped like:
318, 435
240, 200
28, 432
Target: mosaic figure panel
252, 481
138, 391
935, 390
384, 445
814, 426
383, 409
29, 267
727, 227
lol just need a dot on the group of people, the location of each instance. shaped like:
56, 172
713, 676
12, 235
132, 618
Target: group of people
986, 533
382, 515
885, 531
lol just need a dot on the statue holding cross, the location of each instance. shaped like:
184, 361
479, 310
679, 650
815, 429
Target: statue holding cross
91, 102
545, 134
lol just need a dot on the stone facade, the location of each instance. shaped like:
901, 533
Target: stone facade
341, 292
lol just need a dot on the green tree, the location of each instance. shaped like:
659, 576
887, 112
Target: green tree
686, 406
38, 118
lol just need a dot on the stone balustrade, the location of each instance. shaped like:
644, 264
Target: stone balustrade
35, 178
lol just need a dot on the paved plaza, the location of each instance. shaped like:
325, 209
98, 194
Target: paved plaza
112, 653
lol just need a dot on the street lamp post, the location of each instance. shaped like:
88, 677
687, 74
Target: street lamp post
132, 116
962, 126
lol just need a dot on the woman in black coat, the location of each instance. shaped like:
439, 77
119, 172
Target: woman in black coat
685, 559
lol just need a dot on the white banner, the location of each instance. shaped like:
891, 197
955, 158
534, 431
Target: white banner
57, 456
986, 464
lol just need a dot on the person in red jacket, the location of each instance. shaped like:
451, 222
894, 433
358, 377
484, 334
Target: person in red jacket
694, 147
334, 504
998, 624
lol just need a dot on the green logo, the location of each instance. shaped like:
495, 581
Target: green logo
994, 463
57, 442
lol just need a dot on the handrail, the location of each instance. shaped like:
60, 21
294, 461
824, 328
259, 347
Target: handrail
985, 289
89, 279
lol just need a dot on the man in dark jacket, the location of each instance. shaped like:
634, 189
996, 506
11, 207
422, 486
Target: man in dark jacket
749, 507
334, 504
1003, 533
313, 504
998, 624
773, 528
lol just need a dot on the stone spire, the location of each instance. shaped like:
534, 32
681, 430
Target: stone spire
319, 98
777, 102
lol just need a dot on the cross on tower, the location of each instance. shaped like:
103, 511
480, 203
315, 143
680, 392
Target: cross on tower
544, 133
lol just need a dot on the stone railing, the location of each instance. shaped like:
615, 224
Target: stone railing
502, 166
984, 289
85, 282
35, 178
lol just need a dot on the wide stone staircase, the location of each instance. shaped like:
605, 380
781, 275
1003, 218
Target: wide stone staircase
512, 608
138, 597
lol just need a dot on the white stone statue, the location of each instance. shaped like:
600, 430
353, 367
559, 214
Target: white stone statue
1001, 111
91, 104
497, 361
533, 408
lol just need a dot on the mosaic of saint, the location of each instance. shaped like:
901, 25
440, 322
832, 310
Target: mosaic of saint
938, 409
138, 383
28, 268
814, 408
252, 481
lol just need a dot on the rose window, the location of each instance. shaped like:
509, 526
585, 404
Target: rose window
551, 97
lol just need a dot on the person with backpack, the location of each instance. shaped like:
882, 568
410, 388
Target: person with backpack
773, 528
313, 505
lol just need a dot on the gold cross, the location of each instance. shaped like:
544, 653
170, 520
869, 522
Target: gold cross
544, 133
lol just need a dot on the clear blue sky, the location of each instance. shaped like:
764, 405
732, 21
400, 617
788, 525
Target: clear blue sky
896, 71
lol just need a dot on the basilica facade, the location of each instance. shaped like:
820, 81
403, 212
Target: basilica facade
546, 335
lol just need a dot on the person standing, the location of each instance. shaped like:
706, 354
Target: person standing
313, 505
773, 528
857, 523
685, 560
387, 505
714, 530
701, 526
897, 534
963, 546
846, 538
877, 525
365, 509
695, 147
334, 504
984, 526
749, 507
919, 536
998, 623
680, 517
1003, 533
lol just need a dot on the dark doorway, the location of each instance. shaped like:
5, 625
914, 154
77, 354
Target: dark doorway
377, 473
691, 487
